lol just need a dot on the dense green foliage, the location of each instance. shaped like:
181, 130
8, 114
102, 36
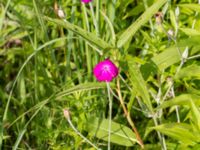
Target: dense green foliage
46, 63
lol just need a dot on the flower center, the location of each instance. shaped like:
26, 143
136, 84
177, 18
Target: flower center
106, 68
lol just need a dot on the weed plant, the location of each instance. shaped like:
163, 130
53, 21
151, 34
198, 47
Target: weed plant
48, 50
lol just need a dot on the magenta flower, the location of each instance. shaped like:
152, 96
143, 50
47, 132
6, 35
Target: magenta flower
105, 71
86, 1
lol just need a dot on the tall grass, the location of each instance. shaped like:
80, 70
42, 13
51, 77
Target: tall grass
46, 63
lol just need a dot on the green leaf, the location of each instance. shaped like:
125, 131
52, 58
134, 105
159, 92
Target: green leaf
179, 131
190, 32
22, 89
171, 55
120, 134
195, 7
135, 11
183, 99
133, 28
81, 87
167, 58
189, 71
195, 115
138, 82
148, 69
173, 20
90, 37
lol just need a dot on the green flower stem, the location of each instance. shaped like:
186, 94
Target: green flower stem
160, 136
127, 114
193, 57
110, 114
67, 116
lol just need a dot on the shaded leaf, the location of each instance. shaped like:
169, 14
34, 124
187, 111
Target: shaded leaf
148, 69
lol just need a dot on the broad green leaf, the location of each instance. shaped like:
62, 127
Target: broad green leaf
183, 99
133, 28
148, 69
171, 55
195, 115
190, 32
90, 37
179, 131
189, 72
167, 58
120, 134
195, 7
138, 82
190, 42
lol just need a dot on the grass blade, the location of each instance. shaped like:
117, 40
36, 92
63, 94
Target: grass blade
138, 83
180, 131
133, 28
92, 38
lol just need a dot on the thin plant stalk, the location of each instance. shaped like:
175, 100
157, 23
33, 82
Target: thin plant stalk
160, 136
94, 19
88, 53
180, 66
127, 114
110, 114
67, 116
96, 25
150, 20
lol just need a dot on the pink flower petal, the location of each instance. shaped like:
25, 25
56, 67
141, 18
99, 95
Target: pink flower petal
86, 1
105, 71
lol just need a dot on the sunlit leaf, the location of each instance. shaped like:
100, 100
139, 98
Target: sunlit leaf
183, 99
90, 37
171, 55
133, 28
120, 134
167, 58
138, 82
189, 72
179, 131
190, 32
195, 115
195, 7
